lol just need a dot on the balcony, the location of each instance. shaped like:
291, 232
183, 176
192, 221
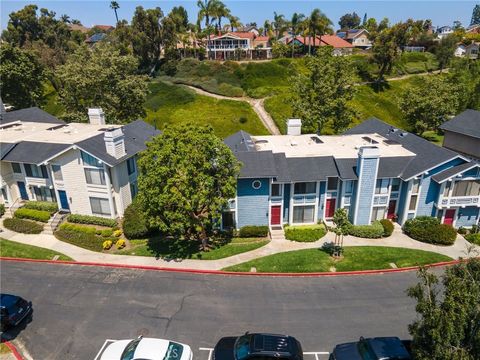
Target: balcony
380, 200
227, 47
460, 201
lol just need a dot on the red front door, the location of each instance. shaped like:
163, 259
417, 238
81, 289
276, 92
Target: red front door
391, 209
449, 216
330, 208
275, 215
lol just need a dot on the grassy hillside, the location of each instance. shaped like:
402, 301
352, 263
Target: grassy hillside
168, 104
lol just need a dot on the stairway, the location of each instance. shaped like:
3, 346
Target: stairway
53, 223
277, 234
14, 207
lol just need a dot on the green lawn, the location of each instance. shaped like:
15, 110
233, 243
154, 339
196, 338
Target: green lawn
355, 258
168, 104
16, 250
168, 248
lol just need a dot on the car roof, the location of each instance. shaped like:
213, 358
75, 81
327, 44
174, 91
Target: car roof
388, 347
7, 300
271, 343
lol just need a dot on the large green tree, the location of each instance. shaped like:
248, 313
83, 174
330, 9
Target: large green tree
475, 16
187, 176
427, 105
385, 51
322, 94
21, 77
350, 21
101, 77
448, 326
445, 50
466, 72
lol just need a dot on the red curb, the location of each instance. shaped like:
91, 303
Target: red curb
220, 272
13, 349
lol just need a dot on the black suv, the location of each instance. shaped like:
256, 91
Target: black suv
13, 309
379, 348
258, 347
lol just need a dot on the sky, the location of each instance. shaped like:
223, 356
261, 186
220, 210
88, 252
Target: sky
96, 12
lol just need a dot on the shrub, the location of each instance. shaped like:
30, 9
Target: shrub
253, 231
429, 230
462, 231
92, 220
387, 227
120, 244
49, 206
117, 233
473, 238
134, 223
2, 209
107, 233
373, 231
78, 228
107, 244
305, 233
23, 226
80, 238
38, 215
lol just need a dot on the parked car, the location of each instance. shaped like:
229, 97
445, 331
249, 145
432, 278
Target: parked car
13, 309
145, 349
258, 346
379, 348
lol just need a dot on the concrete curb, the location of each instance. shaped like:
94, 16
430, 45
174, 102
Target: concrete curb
231, 273
13, 349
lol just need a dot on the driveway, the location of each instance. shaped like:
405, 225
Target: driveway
76, 308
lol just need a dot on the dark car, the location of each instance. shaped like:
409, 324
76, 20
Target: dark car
258, 347
13, 309
379, 348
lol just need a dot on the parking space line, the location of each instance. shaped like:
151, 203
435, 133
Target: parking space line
316, 353
210, 350
104, 346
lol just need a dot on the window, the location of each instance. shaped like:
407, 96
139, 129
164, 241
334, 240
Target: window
415, 186
228, 220
131, 166
440, 215
378, 213
90, 160
348, 187
36, 171
303, 214
381, 186
256, 184
100, 206
57, 172
133, 189
276, 190
448, 185
332, 184
16, 168
413, 203
43, 193
395, 184
305, 188
95, 176
467, 188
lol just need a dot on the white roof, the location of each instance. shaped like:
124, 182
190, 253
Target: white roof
338, 146
147, 348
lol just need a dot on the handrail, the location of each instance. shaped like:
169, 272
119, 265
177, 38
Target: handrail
58, 213
13, 205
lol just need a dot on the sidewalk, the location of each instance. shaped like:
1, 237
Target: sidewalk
397, 239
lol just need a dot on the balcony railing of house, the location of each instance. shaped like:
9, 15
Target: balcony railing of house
460, 201
228, 47
380, 200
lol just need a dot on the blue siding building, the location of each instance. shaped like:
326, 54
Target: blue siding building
373, 170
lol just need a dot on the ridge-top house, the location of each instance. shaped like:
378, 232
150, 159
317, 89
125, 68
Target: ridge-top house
87, 168
357, 37
340, 46
374, 171
239, 45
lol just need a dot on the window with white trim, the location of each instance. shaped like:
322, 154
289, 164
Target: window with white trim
332, 184
395, 184
131, 165
413, 203
256, 184
378, 213
36, 171
57, 172
276, 190
100, 206
304, 214
381, 187
90, 160
16, 168
348, 186
466, 188
95, 176
301, 188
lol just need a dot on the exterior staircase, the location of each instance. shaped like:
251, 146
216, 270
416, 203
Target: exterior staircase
14, 207
277, 234
54, 222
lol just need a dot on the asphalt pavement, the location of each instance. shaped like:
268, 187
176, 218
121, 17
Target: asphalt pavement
76, 308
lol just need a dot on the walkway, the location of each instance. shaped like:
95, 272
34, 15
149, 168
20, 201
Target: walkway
278, 245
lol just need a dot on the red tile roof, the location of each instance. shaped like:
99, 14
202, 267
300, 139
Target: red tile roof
262, 38
332, 40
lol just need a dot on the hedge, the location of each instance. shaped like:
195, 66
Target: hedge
91, 220
80, 238
307, 233
2, 209
134, 224
38, 215
79, 228
373, 231
473, 238
253, 231
23, 226
387, 227
429, 230
49, 206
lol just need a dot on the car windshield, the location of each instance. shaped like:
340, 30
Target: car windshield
174, 351
242, 347
365, 352
130, 350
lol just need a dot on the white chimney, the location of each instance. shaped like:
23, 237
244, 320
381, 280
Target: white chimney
115, 142
96, 116
294, 126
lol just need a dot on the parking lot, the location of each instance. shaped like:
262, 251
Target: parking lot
77, 308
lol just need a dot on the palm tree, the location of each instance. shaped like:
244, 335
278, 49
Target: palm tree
234, 22
279, 24
221, 11
65, 19
114, 5
206, 12
267, 28
317, 23
76, 22
295, 23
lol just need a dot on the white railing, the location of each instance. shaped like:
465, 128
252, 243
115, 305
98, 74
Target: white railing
460, 200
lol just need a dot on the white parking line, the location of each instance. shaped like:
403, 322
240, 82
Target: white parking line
314, 353
210, 350
104, 346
